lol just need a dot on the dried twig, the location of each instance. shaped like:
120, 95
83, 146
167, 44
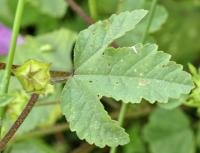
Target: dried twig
80, 12
19, 121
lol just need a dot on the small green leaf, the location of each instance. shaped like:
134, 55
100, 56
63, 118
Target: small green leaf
169, 132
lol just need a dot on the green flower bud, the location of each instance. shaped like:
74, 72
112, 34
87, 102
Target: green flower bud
34, 76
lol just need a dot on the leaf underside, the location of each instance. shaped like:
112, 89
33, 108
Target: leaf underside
128, 74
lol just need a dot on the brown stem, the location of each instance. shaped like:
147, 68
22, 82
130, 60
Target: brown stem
19, 121
80, 12
84, 16
3, 66
56, 76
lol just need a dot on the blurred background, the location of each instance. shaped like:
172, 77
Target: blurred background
48, 33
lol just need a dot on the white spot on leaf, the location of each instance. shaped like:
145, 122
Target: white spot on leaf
134, 49
143, 82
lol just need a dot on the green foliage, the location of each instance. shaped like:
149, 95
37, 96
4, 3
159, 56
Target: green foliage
92, 42
32, 146
54, 48
169, 132
194, 98
180, 35
50, 7
48, 114
117, 73
174, 102
136, 144
132, 74
135, 36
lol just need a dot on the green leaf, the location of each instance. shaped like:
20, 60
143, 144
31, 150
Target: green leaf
54, 47
5, 14
128, 74
32, 146
80, 105
135, 36
50, 7
43, 116
169, 132
88, 118
136, 144
133, 73
105, 10
174, 102
183, 28
94, 40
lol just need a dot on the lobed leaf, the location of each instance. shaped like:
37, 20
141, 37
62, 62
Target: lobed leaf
93, 123
128, 74
133, 73
98, 37
88, 118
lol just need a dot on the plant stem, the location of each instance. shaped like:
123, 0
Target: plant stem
122, 113
93, 9
79, 11
121, 120
149, 22
19, 121
56, 76
16, 27
6, 78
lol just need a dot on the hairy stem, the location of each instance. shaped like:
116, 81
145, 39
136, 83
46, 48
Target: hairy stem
124, 106
149, 22
79, 11
19, 121
121, 120
6, 78
93, 9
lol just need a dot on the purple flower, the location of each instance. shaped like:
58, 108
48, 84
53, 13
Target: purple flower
5, 36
